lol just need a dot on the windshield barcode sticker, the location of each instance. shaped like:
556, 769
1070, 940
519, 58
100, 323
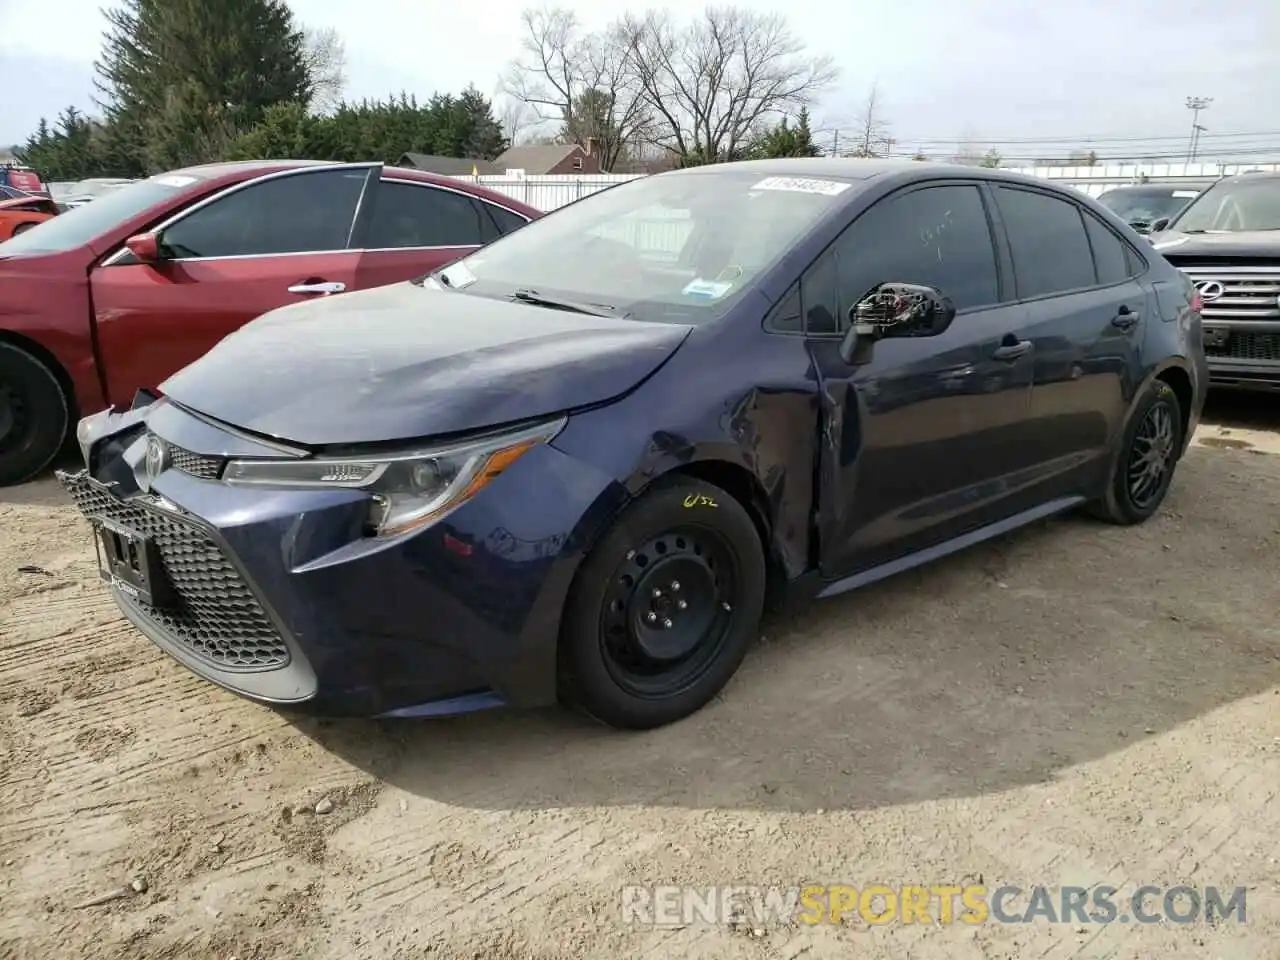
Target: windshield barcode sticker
827, 188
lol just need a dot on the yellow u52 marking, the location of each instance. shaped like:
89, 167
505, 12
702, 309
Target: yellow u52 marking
699, 500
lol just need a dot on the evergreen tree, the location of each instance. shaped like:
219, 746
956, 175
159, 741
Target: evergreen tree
181, 77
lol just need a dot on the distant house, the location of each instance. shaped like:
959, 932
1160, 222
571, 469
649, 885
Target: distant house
448, 166
538, 160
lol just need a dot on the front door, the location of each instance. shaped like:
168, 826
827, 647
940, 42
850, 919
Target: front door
1086, 311
255, 247
928, 439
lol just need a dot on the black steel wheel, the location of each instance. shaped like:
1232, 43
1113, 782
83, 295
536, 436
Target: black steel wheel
664, 608
34, 415
1146, 458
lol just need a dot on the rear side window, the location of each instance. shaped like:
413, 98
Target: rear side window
505, 219
298, 213
1110, 253
1047, 238
407, 215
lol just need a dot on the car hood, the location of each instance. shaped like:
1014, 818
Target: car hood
1236, 243
407, 361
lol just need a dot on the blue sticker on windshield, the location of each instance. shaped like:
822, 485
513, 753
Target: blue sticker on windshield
706, 289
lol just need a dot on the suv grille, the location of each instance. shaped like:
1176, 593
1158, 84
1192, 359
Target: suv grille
216, 616
1248, 292
1247, 345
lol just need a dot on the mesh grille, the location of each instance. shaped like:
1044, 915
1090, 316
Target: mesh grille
216, 616
196, 464
1247, 345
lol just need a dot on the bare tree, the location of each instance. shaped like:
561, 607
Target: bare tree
713, 84
873, 129
967, 151
326, 60
586, 82
515, 118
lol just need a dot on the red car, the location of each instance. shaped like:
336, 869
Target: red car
120, 293
22, 213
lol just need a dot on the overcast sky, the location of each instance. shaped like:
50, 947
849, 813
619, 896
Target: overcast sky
998, 71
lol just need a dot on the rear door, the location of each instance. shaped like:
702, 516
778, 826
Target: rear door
1086, 306
412, 228
280, 239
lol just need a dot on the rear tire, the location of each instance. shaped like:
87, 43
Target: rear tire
34, 415
663, 609
1145, 461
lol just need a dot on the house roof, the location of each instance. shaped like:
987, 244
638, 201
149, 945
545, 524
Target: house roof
535, 158
447, 166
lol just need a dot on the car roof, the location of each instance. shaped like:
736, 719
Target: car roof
860, 169
1152, 188
248, 169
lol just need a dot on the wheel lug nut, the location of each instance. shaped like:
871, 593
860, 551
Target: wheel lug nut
667, 624
651, 617
680, 604
726, 606
675, 585
656, 593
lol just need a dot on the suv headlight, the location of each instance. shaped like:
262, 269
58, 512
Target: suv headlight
410, 489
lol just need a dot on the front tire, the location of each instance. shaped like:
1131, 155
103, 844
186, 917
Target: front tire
1144, 465
663, 609
34, 415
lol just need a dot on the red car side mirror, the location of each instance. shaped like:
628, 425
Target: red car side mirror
144, 246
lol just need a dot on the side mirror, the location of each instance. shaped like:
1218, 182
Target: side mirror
1159, 225
144, 246
895, 310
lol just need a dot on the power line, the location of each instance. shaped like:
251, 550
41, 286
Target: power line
1083, 140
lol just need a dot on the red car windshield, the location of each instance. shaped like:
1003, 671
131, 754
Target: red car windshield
81, 225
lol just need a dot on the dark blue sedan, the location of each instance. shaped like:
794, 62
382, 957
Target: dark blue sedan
578, 464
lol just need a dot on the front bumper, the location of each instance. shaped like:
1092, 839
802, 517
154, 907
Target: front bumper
278, 596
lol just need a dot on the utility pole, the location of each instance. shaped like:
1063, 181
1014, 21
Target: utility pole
835, 143
1195, 105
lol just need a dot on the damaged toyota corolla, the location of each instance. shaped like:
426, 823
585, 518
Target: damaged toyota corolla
576, 464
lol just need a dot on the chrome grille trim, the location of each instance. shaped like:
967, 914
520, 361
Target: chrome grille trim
1252, 293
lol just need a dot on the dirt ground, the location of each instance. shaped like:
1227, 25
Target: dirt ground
1075, 704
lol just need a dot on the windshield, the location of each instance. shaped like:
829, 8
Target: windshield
678, 247
1234, 205
1146, 207
80, 225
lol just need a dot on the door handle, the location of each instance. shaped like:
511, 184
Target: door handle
1012, 351
1124, 319
323, 287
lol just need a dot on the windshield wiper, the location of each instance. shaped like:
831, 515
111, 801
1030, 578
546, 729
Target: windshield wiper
591, 309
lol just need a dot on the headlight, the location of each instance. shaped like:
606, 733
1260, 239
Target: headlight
411, 489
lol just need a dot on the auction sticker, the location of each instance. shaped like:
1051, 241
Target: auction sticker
706, 289
172, 180
827, 188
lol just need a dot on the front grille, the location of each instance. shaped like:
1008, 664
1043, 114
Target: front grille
1248, 292
196, 464
216, 616
1247, 345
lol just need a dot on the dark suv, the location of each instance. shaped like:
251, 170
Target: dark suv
1143, 204
1228, 242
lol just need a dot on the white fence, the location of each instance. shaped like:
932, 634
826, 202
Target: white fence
549, 192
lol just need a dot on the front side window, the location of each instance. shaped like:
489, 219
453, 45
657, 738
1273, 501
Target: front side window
679, 246
1246, 204
308, 212
1047, 239
936, 236
415, 215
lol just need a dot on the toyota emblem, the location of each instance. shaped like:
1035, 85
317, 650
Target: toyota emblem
1210, 290
157, 457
